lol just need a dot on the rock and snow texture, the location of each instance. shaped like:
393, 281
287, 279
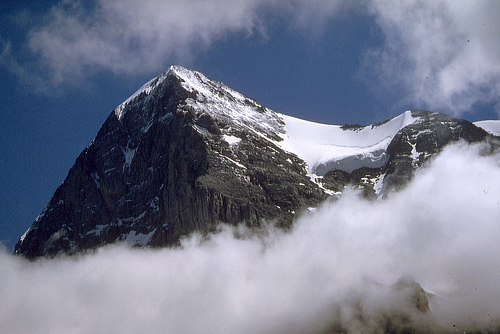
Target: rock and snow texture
185, 153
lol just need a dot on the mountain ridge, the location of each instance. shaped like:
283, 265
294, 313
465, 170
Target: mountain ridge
185, 153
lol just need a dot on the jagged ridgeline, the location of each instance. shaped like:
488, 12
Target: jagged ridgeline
185, 153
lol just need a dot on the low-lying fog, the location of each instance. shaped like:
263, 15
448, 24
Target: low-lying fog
332, 272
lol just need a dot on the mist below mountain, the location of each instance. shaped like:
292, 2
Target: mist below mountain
335, 271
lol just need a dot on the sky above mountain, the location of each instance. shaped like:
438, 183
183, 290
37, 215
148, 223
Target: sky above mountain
65, 65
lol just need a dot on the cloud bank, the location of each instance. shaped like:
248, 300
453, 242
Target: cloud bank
332, 273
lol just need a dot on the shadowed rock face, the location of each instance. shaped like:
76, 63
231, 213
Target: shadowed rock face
186, 153
416, 143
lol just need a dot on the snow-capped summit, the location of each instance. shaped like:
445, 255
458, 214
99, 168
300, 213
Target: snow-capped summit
185, 153
212, 98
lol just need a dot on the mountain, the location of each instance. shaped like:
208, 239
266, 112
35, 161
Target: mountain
185, 153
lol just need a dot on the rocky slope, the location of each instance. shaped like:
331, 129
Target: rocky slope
413, 144
185, 153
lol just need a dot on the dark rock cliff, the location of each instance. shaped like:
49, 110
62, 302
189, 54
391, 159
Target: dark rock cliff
160, 169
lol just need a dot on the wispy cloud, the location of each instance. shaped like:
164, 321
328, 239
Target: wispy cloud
18, 70
440, 55
129, 38
331, 272
443, 54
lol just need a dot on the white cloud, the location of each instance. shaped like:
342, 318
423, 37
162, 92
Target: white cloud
439, 55
443, 53
129, 38
18, 70
442, 230
310, 15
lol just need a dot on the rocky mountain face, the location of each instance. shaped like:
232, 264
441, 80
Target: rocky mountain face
412, 145
186, 153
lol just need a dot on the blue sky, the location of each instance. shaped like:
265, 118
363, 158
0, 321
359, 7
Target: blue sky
65, 65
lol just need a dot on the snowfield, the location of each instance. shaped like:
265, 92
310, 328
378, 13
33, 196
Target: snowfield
326, 147
491, 126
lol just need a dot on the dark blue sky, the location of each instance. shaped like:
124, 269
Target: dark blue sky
64, 67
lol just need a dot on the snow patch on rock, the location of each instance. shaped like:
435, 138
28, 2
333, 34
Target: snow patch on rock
231, 140
139, 239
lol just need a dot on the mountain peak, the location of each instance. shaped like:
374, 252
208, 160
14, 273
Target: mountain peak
181, 73
185, 153
205, 96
